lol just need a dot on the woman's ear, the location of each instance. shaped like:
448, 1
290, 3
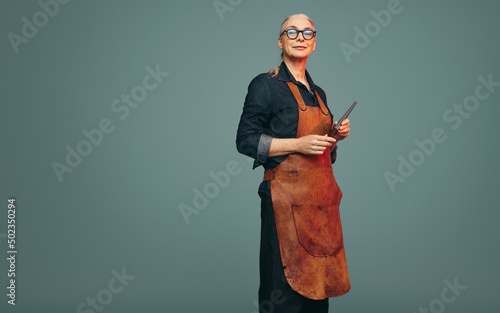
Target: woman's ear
280, 43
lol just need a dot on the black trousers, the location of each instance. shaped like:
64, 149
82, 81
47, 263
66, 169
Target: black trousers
275, 294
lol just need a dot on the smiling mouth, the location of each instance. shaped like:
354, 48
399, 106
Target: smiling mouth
300, 47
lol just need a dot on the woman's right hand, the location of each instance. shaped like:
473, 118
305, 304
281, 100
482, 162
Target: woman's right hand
314, 144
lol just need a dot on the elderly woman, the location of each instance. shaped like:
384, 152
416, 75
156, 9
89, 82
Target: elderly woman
284, 126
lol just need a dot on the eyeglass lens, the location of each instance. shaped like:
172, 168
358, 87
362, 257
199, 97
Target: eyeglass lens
293, 33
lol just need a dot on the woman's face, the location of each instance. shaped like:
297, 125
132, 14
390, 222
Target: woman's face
297, 48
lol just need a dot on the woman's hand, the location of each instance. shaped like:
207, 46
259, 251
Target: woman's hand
310, 145
314, 144
343, 130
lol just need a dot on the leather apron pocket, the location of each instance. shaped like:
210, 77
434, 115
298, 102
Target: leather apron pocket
318, 228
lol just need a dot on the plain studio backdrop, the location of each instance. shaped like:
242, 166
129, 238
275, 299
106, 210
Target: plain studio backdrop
118, 136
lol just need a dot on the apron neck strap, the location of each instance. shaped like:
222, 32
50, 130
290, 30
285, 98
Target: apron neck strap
296, 93
322, 106
300, 101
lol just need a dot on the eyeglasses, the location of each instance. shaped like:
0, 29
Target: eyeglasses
292, 33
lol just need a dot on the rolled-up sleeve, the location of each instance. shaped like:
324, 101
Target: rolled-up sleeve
262, 150
251, 139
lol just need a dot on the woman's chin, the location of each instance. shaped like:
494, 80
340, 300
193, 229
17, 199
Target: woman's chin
299, 56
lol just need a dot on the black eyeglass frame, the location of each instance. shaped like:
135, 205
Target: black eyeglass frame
299, 31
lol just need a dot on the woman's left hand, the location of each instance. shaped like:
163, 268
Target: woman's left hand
343, 130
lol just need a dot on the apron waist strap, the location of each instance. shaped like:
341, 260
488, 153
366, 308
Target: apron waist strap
269, 174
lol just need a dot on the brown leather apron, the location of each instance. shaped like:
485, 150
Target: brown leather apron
306, 201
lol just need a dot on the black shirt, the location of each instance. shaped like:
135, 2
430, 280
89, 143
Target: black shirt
270, 111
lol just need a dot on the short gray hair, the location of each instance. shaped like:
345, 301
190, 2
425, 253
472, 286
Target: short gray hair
294, 15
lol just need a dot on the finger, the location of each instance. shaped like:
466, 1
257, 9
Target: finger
317, 138
315, 151
344, 126
320, 150
326, 138
324, 143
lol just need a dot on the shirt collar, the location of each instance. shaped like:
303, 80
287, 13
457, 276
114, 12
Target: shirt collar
285, 75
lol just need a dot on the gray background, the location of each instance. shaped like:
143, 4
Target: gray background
120, 206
